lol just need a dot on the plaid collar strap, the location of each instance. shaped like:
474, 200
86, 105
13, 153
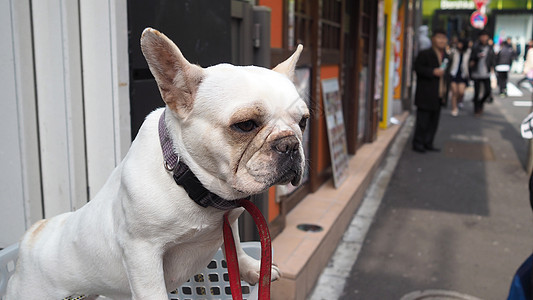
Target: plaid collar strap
184, 177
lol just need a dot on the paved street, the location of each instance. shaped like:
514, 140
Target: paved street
458, 220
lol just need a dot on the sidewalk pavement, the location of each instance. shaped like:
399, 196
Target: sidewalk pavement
458, 220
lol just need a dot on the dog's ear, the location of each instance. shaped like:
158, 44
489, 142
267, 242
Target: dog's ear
287, 67
177, 79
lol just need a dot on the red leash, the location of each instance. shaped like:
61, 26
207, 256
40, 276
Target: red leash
266, 254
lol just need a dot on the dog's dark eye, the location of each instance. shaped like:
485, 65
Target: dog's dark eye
246, 126
303, 123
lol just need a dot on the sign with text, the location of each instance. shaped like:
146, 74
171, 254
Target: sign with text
460, 4
398, 52
336, 131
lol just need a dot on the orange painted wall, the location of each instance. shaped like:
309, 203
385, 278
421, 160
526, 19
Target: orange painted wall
276, 41
276, 21
324, 159
273, 207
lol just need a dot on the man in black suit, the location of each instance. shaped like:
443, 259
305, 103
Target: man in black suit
430, 66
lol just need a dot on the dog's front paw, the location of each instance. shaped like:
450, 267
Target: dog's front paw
275, 273
250, 269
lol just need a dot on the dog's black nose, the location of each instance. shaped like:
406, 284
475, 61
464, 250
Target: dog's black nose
286, 145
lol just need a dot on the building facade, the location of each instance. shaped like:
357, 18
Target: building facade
77, 87
364, 44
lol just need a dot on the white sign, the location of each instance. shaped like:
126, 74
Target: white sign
336, 131
460, 4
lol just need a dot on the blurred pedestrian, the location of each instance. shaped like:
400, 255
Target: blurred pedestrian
504, 59
528, 64
528, 68
527, 47
481, 64
452, 43
517, 65
430, 66
517, 47
459, 74
423, 41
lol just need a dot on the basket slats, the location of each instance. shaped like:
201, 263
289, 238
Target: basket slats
210, 283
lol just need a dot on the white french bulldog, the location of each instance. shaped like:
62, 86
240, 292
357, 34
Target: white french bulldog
238, 129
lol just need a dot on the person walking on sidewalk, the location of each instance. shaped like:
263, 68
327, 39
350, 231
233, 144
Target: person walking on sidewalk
430, 66
459, 74
528, 68
504, 59
481, 64
528, 46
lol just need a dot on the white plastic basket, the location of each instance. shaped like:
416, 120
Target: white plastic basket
210, 283
8, 259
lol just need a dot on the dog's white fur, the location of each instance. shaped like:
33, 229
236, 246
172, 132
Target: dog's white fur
141, 236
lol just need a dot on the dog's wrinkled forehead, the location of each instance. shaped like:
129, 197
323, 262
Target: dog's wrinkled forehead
184, 86
247, 91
